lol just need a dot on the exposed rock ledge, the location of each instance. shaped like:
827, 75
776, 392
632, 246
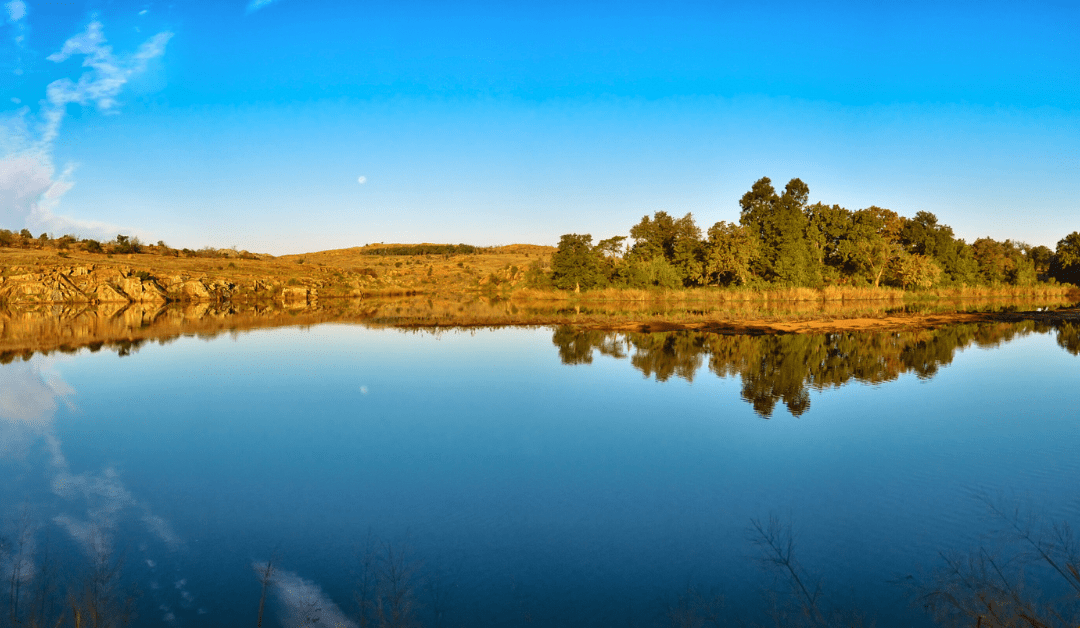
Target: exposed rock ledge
94, 284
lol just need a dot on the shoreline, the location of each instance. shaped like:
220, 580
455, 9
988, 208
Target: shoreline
40, 277
49, 328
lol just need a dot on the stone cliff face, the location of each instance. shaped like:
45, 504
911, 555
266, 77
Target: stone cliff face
93, 284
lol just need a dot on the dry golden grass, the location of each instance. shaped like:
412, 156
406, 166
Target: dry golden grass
497, 271
969, 292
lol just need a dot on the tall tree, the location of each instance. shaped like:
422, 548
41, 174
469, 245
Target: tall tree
729, 253
687, 251
922, 235
653, 237
1040, 256
829, 227
1066, 264
873, 243
678, 242
780, 224
575, 264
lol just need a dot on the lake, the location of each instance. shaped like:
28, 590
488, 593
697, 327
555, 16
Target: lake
542, 476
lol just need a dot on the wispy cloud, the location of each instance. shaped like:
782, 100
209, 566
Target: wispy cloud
101, 83
31, 186
16, 10
303, 603
30, 395
255, 5
16, 17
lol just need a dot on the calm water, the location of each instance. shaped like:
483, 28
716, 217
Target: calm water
531, 476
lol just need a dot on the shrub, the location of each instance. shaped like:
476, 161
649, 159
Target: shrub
127, 244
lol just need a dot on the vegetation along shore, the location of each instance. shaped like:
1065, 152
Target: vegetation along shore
787, 265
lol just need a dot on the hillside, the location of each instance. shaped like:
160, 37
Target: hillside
46, 275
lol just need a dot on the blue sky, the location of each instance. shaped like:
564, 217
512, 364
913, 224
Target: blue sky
252, 124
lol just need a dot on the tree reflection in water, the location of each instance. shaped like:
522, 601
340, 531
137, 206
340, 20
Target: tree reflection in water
785, 367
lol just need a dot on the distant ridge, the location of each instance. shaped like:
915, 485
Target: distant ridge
425, 248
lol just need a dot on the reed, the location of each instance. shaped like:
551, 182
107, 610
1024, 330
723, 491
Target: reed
970, 292
711, 295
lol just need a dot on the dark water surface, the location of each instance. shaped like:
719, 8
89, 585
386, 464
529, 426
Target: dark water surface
547, 477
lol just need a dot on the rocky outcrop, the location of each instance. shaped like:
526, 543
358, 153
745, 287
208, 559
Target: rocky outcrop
194, 290
104, 293
141, 290
85, 284
295, 293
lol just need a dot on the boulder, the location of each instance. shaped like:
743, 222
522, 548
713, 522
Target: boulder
104, 293
141, 291
294, 293
194, 290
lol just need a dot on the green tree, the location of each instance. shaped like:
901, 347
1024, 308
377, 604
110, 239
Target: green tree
828, 229
611, 248
1040, 256
653, 237
576, 264
1065, 266
729, 253
993, 258
676, 241
687, 252
781, 226
612, 264
922, 235
873, 243
654, 273
915, 271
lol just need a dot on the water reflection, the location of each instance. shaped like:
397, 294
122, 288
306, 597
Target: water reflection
783, 368
29, 330
569, 515
93, 507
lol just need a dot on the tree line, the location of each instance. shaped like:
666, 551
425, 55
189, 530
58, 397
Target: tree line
783, 240
121, 245
425, 249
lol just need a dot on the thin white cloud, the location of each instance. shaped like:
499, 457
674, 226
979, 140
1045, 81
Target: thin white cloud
16, 17
30, 395
31, 186
255, 5
16, 10
106, 76
27, 407
362, 180
303, 603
